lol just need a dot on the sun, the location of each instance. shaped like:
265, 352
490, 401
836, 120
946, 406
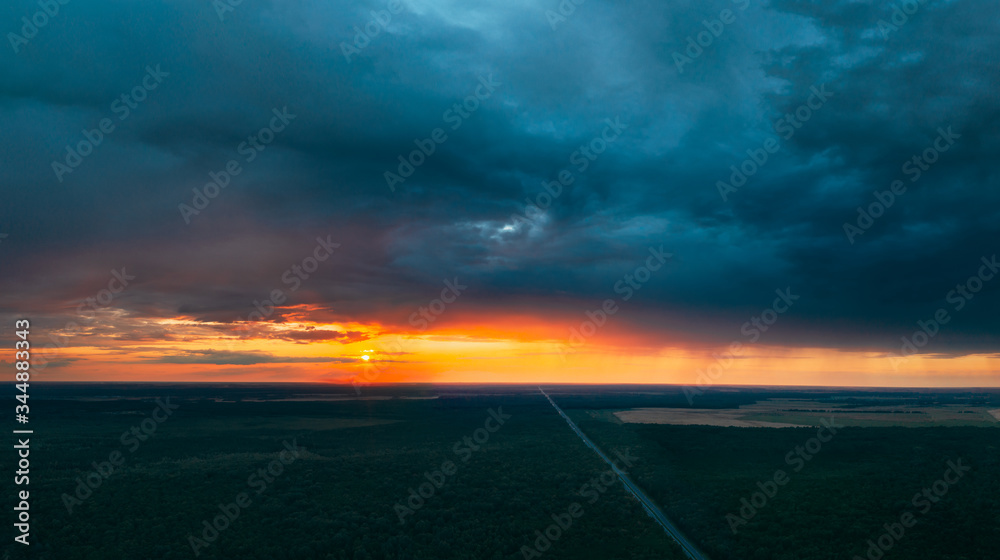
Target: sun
366, 357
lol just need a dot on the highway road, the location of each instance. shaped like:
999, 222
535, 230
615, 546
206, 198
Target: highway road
647, 503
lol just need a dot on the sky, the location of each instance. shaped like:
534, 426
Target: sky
696, 193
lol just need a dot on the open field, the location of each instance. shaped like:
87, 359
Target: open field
696, 417
784, 413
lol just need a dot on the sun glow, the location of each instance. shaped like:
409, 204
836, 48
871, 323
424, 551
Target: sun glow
312, 348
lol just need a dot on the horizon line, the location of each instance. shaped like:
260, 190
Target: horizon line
516, 384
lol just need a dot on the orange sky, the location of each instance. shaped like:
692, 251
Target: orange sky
508, 350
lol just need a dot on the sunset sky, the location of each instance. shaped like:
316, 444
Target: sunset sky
577, 214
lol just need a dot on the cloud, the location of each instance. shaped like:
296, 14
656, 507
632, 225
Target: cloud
656, 185
223, 357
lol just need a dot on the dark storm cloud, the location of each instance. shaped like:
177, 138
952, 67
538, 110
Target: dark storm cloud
655, 185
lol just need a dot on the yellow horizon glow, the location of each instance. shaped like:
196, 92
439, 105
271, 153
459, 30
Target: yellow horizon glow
489, 356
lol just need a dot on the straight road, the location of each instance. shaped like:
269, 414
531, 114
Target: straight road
647, 503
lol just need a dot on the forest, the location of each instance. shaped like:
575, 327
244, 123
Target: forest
483, 472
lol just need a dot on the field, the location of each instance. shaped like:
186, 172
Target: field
784, 413
340, 477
